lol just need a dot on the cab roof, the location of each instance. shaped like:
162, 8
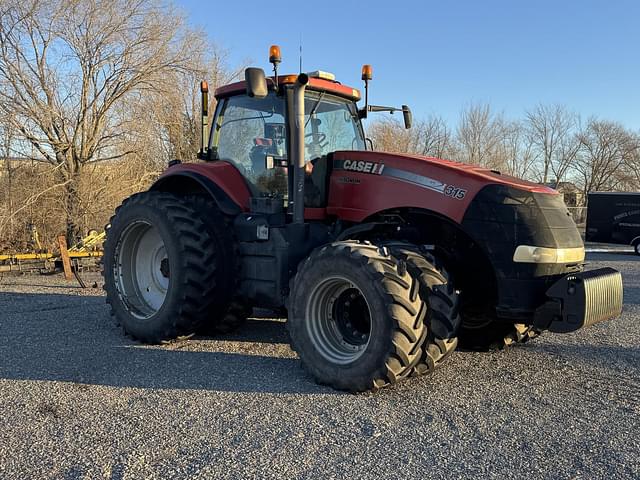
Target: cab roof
318, 84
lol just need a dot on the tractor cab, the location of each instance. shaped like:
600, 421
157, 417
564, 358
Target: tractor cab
253, 134
280, 132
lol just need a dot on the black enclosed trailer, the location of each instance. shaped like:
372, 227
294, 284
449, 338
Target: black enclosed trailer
614, 217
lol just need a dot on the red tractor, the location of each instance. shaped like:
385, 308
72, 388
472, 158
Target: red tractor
381, 262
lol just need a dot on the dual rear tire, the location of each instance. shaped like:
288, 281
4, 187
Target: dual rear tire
169, 267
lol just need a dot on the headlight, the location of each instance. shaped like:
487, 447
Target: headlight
530, 254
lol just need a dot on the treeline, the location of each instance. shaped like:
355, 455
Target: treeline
550, 145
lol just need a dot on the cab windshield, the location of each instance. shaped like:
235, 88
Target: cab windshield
331, 123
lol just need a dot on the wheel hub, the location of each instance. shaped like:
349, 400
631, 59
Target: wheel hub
164, 267
351, 314
338, 320
142, 269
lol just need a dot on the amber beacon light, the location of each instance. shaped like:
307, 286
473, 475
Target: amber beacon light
274, 54
367, 72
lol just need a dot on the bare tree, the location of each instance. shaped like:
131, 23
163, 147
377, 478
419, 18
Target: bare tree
517, 151
631, 175
66, 65
435, 137
7, 178
389, 135
430, 137
175, 114
479, 134
552, 132
606, 150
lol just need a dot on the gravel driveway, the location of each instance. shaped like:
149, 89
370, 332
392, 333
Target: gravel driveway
79, 400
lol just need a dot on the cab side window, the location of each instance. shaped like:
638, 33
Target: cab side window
251, 134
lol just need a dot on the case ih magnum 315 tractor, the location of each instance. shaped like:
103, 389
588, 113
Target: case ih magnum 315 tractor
383, 263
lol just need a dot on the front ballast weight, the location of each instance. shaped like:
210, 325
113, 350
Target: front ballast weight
580, 300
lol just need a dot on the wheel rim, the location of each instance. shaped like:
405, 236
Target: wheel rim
142, 269
338, 320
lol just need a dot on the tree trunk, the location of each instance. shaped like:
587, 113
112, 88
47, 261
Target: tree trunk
73, 205
545, 176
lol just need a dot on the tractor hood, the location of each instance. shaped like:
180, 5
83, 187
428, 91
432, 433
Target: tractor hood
444, 186
523, 229
421, 165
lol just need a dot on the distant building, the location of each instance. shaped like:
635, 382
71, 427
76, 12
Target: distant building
573, 196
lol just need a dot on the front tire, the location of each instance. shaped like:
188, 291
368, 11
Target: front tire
485, 334
437, 290
356, 318
160, 270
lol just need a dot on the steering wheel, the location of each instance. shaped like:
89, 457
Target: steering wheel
321, 138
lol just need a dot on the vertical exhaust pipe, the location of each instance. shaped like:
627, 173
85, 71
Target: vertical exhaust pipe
298, 144
204, 134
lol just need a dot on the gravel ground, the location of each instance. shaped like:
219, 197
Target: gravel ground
79, 400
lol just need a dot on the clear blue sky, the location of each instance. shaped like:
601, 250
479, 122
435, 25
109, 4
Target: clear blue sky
438, 56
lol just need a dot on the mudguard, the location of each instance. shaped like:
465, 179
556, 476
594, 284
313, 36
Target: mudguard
220, 179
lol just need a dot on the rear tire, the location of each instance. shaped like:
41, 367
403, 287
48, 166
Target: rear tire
161, 267
232, 312
356, 318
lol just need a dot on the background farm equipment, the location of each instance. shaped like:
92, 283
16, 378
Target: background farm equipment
84, 255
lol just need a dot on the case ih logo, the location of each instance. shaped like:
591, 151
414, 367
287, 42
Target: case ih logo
364, 167
377, 168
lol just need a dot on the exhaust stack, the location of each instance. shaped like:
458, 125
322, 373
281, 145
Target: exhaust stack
204, 137
298, 158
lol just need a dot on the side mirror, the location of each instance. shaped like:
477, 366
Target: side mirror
408, 117
256, 82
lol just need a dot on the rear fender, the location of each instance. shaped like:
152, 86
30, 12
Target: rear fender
221, 180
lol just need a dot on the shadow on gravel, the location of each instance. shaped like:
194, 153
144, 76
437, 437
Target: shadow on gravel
631, 295
70, 338
259, 331
604, 355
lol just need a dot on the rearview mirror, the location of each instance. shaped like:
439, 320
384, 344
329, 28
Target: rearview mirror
256, 82
408, 118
